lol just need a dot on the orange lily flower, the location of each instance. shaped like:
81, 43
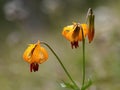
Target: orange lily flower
35, 55
73, 33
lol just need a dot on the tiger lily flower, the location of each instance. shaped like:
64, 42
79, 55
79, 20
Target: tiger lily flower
35, 55
73, 33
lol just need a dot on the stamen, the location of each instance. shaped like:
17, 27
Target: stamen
34, 67
31, 67
74, 44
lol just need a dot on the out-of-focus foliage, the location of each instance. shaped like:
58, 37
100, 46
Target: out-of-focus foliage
25, 21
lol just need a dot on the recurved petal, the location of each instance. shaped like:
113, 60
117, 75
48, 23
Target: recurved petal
40, 55
85, 31
43, 55
27, 55
36, 54
67, 29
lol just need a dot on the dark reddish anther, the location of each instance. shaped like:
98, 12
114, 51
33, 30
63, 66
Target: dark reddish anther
37, 66
31, 66
34, 67
74, 44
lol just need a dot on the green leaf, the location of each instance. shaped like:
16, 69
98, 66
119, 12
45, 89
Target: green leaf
68, 85
87, 85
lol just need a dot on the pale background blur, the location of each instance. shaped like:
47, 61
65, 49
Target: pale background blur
26, 21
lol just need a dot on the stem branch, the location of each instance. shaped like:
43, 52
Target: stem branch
61, 65
83, 46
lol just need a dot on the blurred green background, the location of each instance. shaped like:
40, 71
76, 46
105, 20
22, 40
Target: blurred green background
26, 21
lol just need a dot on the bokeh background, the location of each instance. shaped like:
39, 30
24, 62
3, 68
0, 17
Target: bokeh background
26, 21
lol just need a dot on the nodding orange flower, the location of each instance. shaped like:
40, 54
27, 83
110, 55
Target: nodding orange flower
35, 55
73, 33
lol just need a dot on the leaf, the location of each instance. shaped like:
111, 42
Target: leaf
68, 85
87, 85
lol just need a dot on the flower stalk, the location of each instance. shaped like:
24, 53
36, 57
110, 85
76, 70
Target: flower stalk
83, 50
67, 73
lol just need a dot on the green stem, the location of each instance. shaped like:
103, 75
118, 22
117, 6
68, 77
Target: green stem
61, 64
83, 46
